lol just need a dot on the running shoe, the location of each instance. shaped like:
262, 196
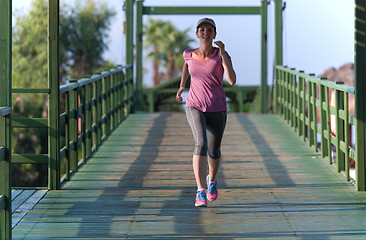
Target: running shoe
201, 200
212, 192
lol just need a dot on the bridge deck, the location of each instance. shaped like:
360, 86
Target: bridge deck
140, 185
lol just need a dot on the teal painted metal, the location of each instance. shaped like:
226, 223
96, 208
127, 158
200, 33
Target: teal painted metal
139, 60
54, 96
278, 33
129, 52
200, 10
291, 100
264, 87
5, 118
360, 86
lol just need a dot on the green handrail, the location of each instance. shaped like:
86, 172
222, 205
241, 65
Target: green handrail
301, 99
93, 108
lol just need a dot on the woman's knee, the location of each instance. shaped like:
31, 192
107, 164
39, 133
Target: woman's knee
215, 153
200, 149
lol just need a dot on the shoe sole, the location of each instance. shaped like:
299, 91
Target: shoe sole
200, 205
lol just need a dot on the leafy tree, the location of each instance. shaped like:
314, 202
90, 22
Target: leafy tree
167, 44
83, 31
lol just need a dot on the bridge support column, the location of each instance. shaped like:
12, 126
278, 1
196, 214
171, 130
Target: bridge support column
54, 95
360, 89
139, 99
263, 107
278, 32
5, 118
129, 47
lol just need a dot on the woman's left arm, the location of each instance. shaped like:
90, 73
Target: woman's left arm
227, 64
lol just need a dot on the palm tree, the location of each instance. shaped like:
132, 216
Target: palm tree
177, 42
154, 38
167, 45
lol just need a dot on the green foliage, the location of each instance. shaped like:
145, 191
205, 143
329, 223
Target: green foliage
166, 44
83, 32
30, 47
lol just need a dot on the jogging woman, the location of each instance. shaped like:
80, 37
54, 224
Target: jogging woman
206, 105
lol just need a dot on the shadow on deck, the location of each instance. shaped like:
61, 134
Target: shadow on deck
140, 185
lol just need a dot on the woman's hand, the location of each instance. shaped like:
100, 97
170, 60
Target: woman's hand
179, 93
227, 64
221, 45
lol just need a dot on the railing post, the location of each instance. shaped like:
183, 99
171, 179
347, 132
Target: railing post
105, 119
88, 120
67, 135
312, 113
301, 104
323, 118
360, 89
54, 95
292, 99
346, 135
264, 7
339, 105
95, 110
122, 98
303, 100
73, 119
5, 119
99, 112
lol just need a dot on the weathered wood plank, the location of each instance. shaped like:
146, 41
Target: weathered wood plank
15, 193
140, 185
26, 206
21, 198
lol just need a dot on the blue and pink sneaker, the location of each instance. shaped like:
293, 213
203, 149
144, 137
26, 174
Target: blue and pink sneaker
201, 200
212, 192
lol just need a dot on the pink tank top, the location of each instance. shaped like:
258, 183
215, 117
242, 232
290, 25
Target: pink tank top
206, 92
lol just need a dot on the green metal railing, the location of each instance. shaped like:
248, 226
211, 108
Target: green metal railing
304, 102
93, 107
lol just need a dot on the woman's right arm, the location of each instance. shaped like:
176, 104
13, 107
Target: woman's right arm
183, 81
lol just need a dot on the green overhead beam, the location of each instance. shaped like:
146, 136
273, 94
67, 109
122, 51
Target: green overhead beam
200, 10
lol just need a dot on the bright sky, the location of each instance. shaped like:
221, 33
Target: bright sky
317, 34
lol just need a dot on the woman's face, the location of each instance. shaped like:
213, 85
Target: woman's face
206, 32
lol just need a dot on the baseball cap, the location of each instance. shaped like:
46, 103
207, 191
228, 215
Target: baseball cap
206, 20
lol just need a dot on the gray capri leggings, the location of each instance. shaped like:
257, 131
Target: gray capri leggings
208, 129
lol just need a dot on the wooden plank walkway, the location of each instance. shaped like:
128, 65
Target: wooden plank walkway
140, 185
